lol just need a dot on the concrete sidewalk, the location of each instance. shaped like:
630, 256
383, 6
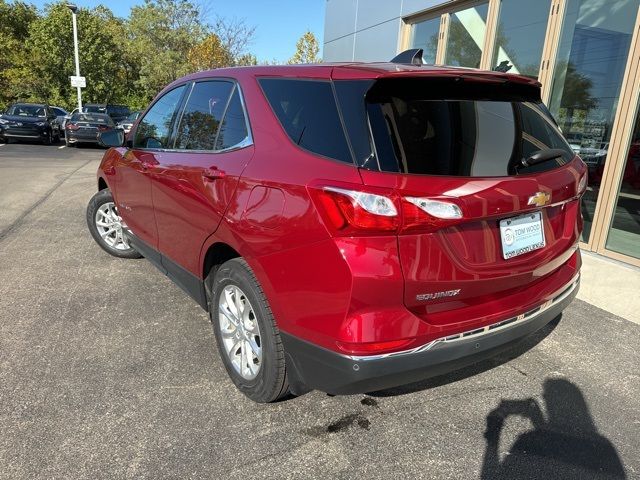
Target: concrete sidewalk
610, 285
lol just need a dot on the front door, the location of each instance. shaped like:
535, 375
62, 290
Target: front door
133, 181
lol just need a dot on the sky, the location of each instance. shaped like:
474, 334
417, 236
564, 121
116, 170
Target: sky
279, 23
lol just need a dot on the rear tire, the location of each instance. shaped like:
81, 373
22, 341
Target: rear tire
106, 226
250, 345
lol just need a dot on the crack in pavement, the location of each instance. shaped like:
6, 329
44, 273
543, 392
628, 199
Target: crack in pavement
18, 221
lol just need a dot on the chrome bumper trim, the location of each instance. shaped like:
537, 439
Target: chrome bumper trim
558, 296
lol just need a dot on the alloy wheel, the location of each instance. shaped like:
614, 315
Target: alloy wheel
240, 332
111, 227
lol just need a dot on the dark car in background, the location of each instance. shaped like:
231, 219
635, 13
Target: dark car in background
85, 127
30, 121
116, 112
128, 122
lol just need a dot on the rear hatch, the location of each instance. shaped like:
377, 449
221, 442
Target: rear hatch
487, 186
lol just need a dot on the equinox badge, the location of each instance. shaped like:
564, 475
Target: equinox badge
433, 296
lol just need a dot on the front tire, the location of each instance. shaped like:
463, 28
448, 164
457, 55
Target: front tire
246, 333
106, 226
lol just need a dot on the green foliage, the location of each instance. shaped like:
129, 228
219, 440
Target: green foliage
306, 50
125, 61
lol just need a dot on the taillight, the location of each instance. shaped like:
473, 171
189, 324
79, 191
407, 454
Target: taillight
102, 128
424, 214
582, 184
72, 126
351, 212
368, 211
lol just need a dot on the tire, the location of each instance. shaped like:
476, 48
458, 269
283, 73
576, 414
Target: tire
270, 381
102, 209
48, 140
56, 138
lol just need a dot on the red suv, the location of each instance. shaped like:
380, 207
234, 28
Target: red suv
350, 227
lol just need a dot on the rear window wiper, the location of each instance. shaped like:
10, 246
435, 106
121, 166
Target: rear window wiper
541, 156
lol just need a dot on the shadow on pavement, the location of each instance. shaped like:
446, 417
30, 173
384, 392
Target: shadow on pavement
520, 348
565, 445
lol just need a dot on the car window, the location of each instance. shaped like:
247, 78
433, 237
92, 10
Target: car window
92, 117
234, 125
58, 112
27, 111
460, 134
201, 116
308, 113
154, 130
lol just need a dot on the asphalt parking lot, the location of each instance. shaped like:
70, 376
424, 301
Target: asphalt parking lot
108, 370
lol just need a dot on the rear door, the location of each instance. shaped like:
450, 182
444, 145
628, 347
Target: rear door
481, 230
194, 182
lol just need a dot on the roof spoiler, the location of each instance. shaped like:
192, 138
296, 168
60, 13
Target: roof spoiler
412, 56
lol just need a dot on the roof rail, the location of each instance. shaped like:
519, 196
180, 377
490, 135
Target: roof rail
412, 56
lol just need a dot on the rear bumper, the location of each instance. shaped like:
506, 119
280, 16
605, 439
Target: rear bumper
317, 368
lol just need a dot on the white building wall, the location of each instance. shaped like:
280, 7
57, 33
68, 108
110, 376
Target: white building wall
367, 30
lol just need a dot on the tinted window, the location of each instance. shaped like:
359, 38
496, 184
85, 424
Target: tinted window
307, 111
27, 110
58, 112
459, 137
155, 128
202, 114
91, 117
234, 126
351, 98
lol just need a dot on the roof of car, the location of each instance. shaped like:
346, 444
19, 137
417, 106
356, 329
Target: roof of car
357, 70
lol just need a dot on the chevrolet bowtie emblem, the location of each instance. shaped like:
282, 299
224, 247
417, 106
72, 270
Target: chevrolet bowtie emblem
540, 199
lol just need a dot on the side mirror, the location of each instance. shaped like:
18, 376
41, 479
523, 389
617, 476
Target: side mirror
111, 138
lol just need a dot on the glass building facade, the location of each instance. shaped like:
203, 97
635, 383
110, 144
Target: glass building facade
582, 52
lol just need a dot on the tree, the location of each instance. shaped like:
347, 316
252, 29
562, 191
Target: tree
161, 34
14, 30
235, 36
47, 58
306, 50
209, 54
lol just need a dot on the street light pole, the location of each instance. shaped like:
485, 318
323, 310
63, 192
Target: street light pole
74, 9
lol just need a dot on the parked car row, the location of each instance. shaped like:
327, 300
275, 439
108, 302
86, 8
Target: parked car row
48, 124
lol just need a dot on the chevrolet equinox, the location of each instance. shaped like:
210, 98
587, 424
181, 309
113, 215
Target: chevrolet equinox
350, 227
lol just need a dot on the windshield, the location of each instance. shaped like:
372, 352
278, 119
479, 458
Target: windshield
133, 117
27, 110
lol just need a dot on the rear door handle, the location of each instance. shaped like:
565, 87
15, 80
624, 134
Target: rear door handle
213, 173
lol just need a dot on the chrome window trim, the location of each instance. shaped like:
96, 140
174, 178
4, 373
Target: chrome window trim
478, 332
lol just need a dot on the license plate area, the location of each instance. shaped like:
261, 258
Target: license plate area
521, 234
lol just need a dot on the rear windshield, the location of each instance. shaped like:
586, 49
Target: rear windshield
420, 127
93, 118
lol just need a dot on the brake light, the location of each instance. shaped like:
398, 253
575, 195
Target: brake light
582, 184
102, 128
369, 211
72, 126
352, 211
